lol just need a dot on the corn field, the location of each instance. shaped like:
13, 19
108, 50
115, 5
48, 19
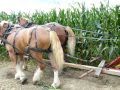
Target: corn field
97, 30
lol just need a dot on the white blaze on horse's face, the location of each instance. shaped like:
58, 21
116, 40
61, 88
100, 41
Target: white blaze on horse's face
3, 27
4, 24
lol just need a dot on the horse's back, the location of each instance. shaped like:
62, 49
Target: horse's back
43, 37
40, 36
59, 29
33, 36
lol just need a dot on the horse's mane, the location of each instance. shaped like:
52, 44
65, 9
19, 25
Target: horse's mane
9, 23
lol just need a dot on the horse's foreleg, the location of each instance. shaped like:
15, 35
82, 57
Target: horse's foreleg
39, 71
25, 62
19, 71
12, 57
56, 80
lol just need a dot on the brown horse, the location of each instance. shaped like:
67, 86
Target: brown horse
37, 40
65, 33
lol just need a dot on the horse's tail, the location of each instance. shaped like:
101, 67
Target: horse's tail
57, 51
71, 40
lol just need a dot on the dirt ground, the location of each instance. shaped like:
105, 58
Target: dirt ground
69, 79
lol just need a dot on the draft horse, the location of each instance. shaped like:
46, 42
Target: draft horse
65, 33
36, 40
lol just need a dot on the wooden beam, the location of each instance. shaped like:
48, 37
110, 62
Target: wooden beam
104, 70
111, 71
99, 68
79, 66
86, 73
95, 59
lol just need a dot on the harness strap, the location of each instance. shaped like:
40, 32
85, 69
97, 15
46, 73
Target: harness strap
27, 50
66, 39
14, 41
39, 50
30, 37
35, 38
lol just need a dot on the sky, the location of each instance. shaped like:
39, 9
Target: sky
46, 5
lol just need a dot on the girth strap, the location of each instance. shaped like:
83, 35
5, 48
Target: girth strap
27, 49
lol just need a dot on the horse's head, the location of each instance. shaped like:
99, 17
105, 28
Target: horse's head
22, 21
3, 27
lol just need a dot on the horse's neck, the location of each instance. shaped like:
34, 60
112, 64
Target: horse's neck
17, 26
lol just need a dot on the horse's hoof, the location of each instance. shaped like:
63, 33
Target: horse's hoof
24, 81
17, 76
35, 82
55, 85
25, 68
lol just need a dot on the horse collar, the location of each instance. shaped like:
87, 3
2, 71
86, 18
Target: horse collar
28, 25
7, 31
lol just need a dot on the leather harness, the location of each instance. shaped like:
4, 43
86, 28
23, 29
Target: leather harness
28, 48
